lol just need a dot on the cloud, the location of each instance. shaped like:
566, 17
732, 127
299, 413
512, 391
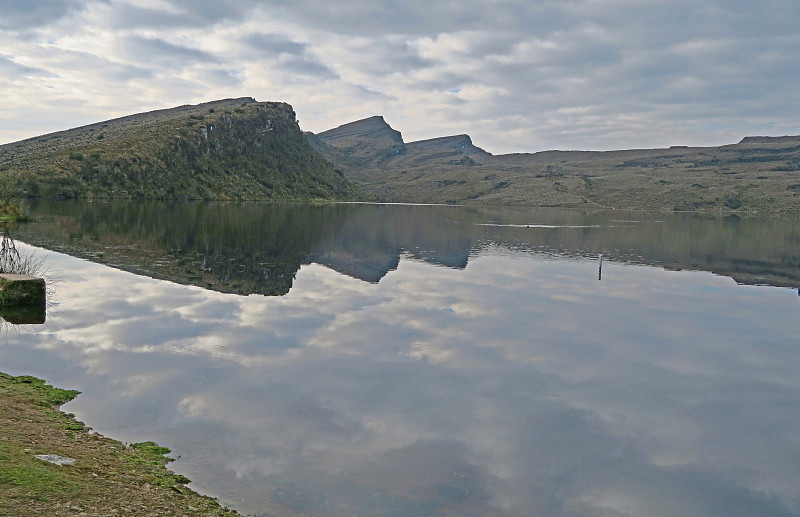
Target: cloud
9, 69
149, 50
175, 14
274, 44
307, 67
18, 15
289, 61
507, 72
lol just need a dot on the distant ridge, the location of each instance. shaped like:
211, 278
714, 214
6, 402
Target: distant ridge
461, 143
768, 139
759, 173
374, 128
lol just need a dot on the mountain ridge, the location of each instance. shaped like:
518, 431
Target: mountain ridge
757, 174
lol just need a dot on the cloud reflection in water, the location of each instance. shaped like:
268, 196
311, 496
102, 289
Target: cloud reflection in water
516, 386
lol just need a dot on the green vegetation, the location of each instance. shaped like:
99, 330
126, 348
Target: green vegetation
35, 391
107, 476
231, 149
10, 210
153, 454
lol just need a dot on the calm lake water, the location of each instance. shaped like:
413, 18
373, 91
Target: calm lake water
415, 360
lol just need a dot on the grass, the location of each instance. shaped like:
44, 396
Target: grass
108, 477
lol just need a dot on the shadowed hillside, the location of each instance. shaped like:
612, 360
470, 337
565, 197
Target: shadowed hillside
228, 149
758, 173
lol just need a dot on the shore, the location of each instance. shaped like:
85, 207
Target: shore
104, 477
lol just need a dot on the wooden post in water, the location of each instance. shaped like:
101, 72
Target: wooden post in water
600, 268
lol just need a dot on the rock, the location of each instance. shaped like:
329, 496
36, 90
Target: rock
23, 314
56, 459
21, 290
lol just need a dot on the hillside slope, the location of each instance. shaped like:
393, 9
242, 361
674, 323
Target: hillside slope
758, 173
227, 149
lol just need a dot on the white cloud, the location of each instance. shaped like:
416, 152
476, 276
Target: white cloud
649, 74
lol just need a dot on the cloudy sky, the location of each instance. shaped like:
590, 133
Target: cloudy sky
516, 75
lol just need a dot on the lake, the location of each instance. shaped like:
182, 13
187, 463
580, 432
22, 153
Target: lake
399, 360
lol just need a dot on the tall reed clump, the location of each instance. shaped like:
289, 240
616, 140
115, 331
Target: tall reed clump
12, 261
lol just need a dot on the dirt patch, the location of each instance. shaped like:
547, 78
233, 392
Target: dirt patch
108, 478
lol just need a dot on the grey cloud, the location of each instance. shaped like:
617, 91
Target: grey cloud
101, 67
219, 76
384, 56
308, 66
291, 56
359, 16
366, 92
418, 16
27, 14
274, 44
395, 55
445, 81
155, 50
667, 65
131, 17
198, 13
10, 69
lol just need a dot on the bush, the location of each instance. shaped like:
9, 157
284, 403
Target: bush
733, 202
11, 211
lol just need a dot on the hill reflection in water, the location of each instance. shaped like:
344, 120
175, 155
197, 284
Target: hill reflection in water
258, 248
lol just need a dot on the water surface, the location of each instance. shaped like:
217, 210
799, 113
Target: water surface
434, 360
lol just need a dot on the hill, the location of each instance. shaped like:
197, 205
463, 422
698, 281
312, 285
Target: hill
758, 173
227, 149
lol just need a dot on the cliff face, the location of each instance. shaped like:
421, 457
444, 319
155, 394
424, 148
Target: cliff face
461, 143
373, 130
229, 149
360, 144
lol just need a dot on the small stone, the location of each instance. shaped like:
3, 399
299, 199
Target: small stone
56, 459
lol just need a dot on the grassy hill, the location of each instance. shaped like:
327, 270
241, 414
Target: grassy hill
758, 173
227, 149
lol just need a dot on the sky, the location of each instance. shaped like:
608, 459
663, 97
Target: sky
516, 75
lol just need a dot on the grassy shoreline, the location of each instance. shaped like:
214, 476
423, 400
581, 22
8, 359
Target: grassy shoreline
108, 477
